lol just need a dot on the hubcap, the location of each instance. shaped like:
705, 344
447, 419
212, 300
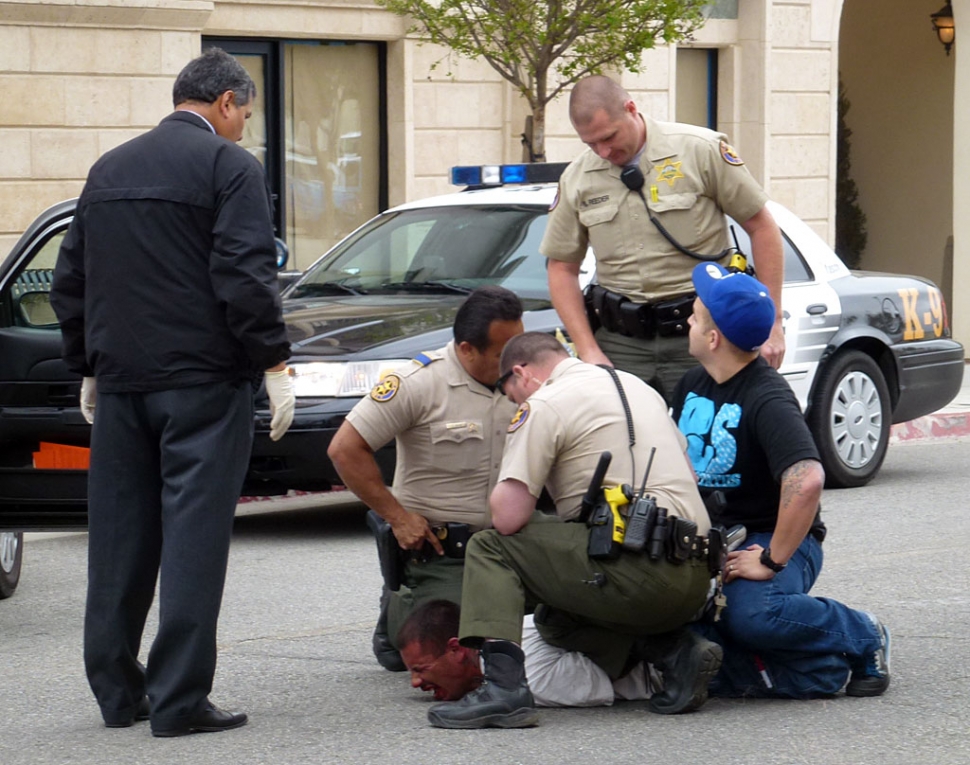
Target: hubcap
856, 419
9, 542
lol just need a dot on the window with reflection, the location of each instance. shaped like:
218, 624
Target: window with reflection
317, 128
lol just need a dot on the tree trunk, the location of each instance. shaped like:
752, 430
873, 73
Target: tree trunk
539, 133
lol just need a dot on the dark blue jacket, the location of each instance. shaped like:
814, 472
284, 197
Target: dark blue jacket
167, 275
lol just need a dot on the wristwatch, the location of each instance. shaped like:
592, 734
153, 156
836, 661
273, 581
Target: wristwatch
769, 563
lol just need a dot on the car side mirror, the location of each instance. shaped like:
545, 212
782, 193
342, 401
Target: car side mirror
286, 278
282, 254
35, 310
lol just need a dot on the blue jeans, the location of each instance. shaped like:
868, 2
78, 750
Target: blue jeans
780, 641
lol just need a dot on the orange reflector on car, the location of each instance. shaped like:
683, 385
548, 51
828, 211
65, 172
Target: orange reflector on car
61, 457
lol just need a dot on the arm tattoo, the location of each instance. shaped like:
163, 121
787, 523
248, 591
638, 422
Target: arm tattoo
793, 480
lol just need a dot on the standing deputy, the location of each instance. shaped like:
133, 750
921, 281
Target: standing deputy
165, 288
570, 412
747, 438
688, 177
448, 423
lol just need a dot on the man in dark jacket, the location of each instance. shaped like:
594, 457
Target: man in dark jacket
165, 290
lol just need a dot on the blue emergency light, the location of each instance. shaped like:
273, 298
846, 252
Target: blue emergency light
498, 175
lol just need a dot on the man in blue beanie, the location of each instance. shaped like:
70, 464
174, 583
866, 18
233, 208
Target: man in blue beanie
747, 438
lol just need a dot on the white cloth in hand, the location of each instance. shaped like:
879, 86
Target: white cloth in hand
89, 397
282, 402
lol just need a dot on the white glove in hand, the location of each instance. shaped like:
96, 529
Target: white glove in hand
282, 402
88, 399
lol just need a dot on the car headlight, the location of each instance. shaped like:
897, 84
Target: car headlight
340, 379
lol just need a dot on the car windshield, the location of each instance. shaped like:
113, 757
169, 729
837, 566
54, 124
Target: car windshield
437, 249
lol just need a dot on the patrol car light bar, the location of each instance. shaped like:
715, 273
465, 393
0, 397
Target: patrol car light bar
499, 175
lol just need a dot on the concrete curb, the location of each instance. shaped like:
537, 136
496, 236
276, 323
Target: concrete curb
952, 421
942, 424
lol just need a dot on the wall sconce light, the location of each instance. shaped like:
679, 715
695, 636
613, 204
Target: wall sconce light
944, 26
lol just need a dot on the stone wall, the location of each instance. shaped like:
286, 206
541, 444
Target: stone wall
76, 80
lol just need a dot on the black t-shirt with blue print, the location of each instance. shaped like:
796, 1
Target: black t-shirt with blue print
741, 436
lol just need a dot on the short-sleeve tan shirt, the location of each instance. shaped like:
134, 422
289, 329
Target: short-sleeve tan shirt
692, 177
556, 438
450, 432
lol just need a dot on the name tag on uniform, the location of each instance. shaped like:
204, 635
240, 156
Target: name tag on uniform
471, 427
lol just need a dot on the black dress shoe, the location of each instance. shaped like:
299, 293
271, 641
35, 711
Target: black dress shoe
141, 714
209, 720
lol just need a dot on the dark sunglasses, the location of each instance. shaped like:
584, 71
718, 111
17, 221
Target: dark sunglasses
500, 382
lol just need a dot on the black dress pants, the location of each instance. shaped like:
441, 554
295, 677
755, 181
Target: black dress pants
166, 471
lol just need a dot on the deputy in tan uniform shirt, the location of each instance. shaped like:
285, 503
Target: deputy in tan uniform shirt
449, 425
692, 177
561, 425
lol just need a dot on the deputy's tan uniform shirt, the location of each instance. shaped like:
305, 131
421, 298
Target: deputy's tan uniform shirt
449, 431
692, 177
556, 438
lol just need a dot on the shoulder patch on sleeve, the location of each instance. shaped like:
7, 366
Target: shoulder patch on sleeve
519, 418
386, 389
555, 200
728, 154
428, 357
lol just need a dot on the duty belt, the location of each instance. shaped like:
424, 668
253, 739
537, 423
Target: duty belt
453, 538
617, 313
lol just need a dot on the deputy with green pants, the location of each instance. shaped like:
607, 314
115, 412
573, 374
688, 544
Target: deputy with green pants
569, 413
448, 424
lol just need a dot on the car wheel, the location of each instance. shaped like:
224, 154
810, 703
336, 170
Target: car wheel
11, 557
850, 419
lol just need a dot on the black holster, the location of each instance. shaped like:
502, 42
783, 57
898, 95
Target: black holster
389, 552
592, 310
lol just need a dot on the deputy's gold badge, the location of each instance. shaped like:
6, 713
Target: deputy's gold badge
519, 418
668, 171
385, 389
729, 155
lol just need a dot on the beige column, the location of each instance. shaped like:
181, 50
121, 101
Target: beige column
400, 121
753, 71
960, 304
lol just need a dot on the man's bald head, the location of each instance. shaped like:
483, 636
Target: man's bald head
606, 120
594, 93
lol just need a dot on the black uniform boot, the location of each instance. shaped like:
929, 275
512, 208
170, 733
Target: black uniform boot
387, 655
502, 701
687, 663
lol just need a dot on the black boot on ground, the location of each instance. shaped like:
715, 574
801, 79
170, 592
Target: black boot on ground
687, 663
502, 701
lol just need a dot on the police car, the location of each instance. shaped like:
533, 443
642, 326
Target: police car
864, 350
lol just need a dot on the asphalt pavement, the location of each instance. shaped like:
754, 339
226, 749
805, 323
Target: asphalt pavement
301, 600
294, 653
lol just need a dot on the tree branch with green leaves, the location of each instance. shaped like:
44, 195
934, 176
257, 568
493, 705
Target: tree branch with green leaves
543, 47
